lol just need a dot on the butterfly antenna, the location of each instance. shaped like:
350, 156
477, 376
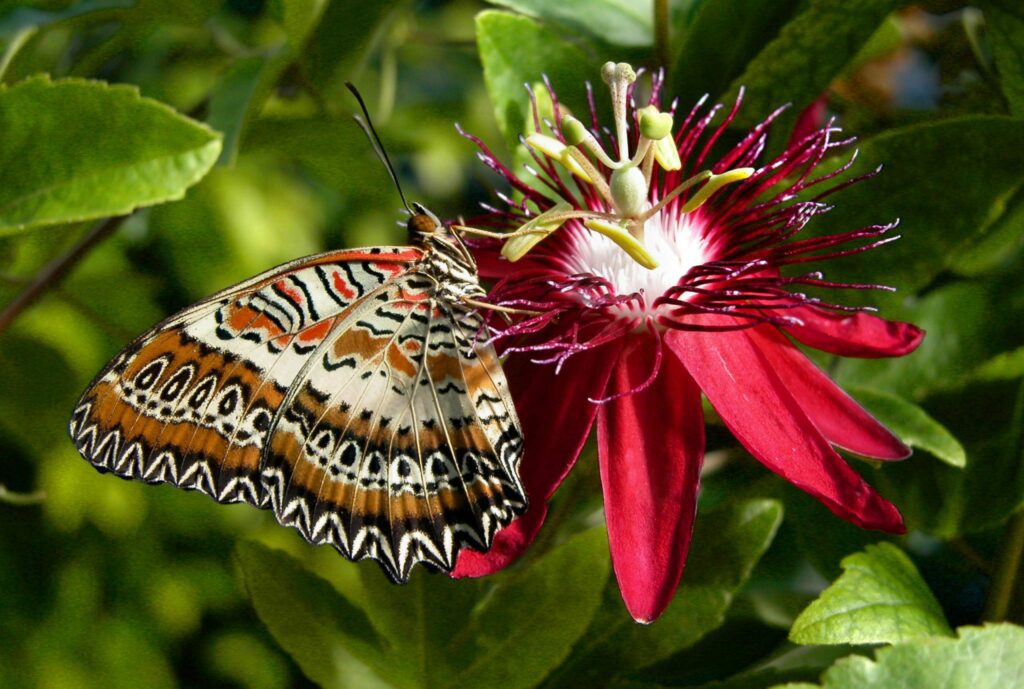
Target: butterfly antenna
367, 126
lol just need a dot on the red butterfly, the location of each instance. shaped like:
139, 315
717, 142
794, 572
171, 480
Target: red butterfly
348, 392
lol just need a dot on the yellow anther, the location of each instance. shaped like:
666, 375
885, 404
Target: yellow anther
667, 155
655, 125
573, 131
556, 150
621, 236
533, 231
716, 182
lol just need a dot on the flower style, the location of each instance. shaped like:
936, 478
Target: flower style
648, 282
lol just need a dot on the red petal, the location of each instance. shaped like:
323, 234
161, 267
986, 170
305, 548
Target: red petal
650, 445
556, 417
858, 334
762, 414
491, 265
810, 120
840, 419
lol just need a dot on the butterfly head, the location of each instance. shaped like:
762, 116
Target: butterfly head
423, 225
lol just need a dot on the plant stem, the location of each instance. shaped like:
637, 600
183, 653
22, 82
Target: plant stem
1007, 571
662, 35
55, 270
962, 547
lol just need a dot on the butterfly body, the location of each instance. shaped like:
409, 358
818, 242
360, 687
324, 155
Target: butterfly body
348, 392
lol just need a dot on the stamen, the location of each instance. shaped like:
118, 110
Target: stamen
625, 239
714, 184
556, 150
531, 234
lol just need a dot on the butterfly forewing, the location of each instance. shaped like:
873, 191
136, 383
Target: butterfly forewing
338, 390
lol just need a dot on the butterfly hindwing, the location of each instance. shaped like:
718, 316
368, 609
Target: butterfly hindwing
388, 447
340, 391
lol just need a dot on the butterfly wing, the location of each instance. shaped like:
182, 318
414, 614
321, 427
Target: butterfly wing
399, 442
336, 390
191, 401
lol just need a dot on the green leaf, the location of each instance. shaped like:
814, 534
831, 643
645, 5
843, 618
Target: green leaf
320, 629
880, 598
20, 18
997, 242
1005, 366
989, 657
807, 55
39, 374
727, 34
343, 35
948, 502
977, 156
757, 679
727, 543
76, 150
1005, 24
455, 633
298, 18
964, 326
506, 632
620, 22
515, 51
240, 92
912, 424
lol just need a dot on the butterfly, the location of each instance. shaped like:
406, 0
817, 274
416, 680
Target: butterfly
349, 392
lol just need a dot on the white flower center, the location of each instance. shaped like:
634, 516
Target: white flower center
676, 244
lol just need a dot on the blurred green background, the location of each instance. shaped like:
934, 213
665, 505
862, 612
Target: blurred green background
109, 584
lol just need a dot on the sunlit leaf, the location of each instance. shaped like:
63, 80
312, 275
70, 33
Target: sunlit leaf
76, 150
516, 51
990, 657
880, 598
